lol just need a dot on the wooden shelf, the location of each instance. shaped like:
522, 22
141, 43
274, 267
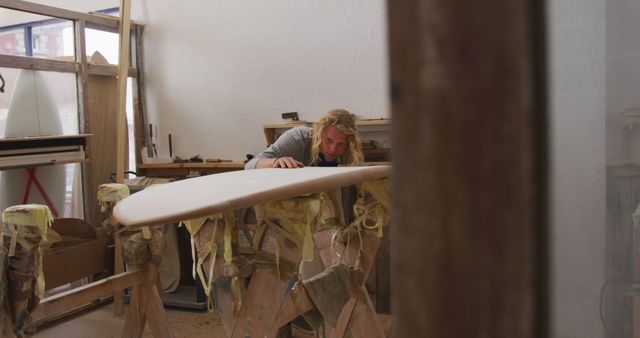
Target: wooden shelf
22, 152
274, 130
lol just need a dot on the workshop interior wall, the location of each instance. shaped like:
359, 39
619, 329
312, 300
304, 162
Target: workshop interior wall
217, 72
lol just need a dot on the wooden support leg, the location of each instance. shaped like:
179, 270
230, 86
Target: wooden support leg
299, 303
358, 316
260, 308
118, 267
364, 322
146, 306
267, 294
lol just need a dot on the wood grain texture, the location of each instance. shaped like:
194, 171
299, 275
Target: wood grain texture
101, 108
469, 144
72, 299
123, 67
26, 62
267, 294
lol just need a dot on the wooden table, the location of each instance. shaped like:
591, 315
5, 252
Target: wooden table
182, 170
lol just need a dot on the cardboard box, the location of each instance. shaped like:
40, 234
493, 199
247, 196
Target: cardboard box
80, 254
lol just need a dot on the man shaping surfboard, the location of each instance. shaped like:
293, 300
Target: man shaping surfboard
333, 140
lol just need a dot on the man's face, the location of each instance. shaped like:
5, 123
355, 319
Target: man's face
334, 144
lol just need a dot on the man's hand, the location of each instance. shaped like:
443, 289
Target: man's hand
287, 162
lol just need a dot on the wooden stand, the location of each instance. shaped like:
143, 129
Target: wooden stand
145, 305
275, 295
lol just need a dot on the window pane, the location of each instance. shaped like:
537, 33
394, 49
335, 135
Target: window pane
106, 43
53, 40
40, 36
12, 42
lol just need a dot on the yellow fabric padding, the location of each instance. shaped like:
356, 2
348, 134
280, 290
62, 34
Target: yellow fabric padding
27, 225
110, 193
373, 203
210, 250
29, 215
297, 217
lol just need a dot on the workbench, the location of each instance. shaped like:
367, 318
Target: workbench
183, 170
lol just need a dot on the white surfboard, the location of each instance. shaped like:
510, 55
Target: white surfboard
207, 195
33, 112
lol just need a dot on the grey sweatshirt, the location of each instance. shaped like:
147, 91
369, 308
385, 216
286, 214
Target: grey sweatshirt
295, 142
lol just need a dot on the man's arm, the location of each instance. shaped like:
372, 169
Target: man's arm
286, 152
280, 162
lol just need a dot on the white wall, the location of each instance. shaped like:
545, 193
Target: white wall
216, 71
623, 76
577, 153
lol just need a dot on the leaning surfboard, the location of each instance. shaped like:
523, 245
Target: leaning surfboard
33, 112
206, 195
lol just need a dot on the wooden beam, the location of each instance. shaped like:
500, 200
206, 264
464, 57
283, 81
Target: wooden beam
108, 70
26, 62
121, 118
95, 21
143, 138
469, 144
72, 299
84, 115
123, 64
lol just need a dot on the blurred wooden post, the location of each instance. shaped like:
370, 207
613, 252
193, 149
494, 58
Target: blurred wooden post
123, 65
469, 149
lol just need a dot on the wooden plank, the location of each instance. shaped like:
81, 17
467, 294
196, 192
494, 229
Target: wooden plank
27, 62
266, 293
260, 307
374, 122
146, 306
81, 78
367, 325
69, 300
383, 274
121, 118
71, 263
102, 104
293, 306
143, 138
136, 319
103, 22
364, 322
108, 70
123, 64
118, 267
138, 119
83, 106
472, 225
156, 315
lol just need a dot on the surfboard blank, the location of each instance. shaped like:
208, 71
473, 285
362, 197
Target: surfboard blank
32, 112
206, 195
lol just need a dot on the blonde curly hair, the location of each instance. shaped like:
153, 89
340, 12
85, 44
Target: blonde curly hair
342, 120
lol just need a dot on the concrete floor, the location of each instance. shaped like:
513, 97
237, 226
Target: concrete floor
101, 323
